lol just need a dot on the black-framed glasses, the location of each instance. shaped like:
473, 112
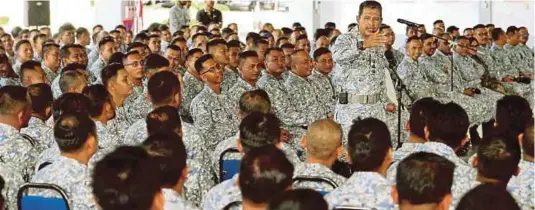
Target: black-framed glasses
213, 69
135, 64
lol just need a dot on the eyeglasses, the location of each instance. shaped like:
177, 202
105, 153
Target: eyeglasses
135, 64
213, 69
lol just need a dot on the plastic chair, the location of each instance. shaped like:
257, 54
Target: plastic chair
316, 179
30, 202
228, 168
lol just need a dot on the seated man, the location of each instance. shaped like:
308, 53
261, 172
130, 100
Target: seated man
168, 151
71, 80
252, 101
369, 153
445, 133
249, 70
102, 111
256, 130
424, 181
298, 199
106, 47
524, 180
323, 143
32, 73
321, 80
487, 197
193, 84
77, 140
265, 173
17, 150
115, 78
12, 181
127, 179
42, 99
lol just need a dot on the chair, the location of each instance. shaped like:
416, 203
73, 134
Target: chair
30, 202
316, 179
230, 167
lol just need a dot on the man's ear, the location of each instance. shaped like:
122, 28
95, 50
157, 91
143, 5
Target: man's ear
517, 171
520, 138
304, 142
395, 195
158, 202
446, 202
475, 162
407, 126
238, 145
426, 133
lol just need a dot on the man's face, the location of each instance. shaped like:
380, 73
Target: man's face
469, 33
439, 25
34, 77
220, 53
184, 47
210, 4
174, 57
275, 62
411, 32
122, 84
234, 27
303, 44
481, 35
524, 35
25, 36
322, 42
390, 37
155, 45
233, 56
287, 53
369, 21
429, 46
39, 43
134, 66
97, 29
68, 37
107, 50
473, 48
25, 52
141, 51
117, 38
128, 38
513, 38
75, 56
460, 49
261, 50
421, 30
455, 33
8, 43
52, 57
45, 31
166, 36
502, 39
325, 63
437, 31
84, 39
444, 46
212, 72
201, 42
414, 49
302, 64
250, 68
191, 60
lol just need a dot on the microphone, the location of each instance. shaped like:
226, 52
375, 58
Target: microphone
409, 23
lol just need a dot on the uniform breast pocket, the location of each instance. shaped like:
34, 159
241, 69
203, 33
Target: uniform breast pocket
219, 115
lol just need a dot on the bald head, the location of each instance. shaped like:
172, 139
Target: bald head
323, 139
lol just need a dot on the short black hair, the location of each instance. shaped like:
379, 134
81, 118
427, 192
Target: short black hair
489, 25
109, 72
368, 144
478, 26
513, 115
165, 118
451, 29
252, 35
425, 36
99, 96
70, 103
478, 199
179, 39
320, 51
351, 26
105, 40
117, 57
258, 129
412, 38
287, 45
424, 178
141, 37
13, 99
72, 130
80, 31
330, 24
300, 37
38, 36
126, 179
162, 87
192, 52
233, 43
65, 50
66, 27
277, 43
70, 77
135, 45
258, 42
154, 61
511, 29
448, 125
320, 32
298, 199
30, 65
286, 31
265, 172
49, 46
215, 42
370, 4
41, 97
271, 49
247, 54
178, 33
438, 21
255, 100
167, 150
496, 32
199, 62
498, 157
20, 43
421, 111
174, 47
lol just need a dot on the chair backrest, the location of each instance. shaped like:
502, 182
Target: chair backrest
318, 180
29, 202
228, 168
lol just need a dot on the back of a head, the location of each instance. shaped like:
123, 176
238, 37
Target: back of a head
258, 129
163, 87
167, 150
265, 172
498, 158
513, 114
69, 79
487, 197
41, 97
421, 111
368, 144
323, 138
254, 101
13, 99
424, 178
154, 62
70, 103
448, 125
126, 179
72, 131
99, 96
165, 118
110, 72
298, 199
